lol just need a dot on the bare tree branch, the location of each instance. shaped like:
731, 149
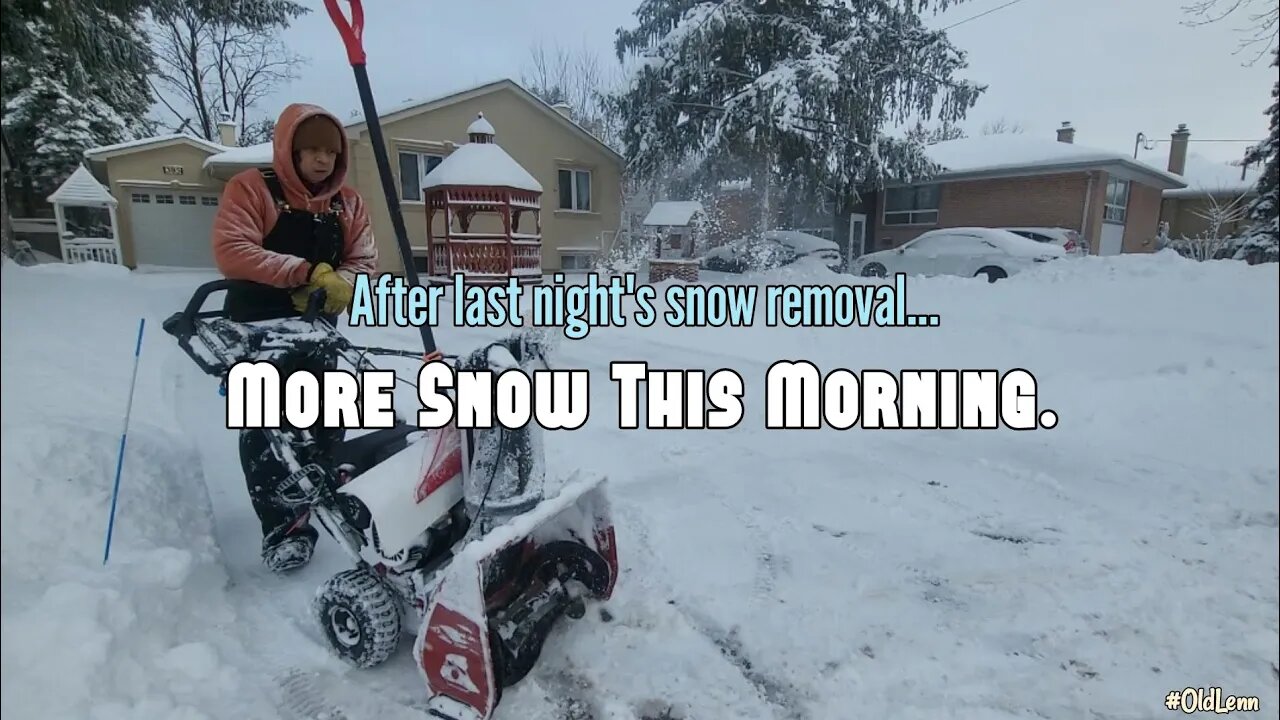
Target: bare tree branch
1002, 127
576, 78
215, 70
1221, 220
1260, 27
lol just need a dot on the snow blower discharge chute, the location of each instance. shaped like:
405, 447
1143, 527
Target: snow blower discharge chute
449, 534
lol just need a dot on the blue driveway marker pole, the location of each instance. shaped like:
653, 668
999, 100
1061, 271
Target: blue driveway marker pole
115, 493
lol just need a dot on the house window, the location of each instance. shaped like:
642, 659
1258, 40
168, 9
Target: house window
916, 205
164, 199
414, 167
186, 199
575, 190
140, 197
1117, 201
209, 201
579, 261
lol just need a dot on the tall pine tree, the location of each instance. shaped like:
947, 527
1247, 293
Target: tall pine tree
1262, 242
55, 108
70, 78
798, 92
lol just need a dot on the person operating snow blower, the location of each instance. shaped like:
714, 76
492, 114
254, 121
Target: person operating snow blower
292, 230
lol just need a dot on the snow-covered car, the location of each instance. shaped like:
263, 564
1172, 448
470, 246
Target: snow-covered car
964, 251
804, 245
773, 249
1069, 240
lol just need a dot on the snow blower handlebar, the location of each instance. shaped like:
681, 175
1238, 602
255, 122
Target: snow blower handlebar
182, 325
239, 341
352, 33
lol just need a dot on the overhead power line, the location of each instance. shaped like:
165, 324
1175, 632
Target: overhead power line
982, 14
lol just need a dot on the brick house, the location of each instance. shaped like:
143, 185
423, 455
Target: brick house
1113, 200
1215, 192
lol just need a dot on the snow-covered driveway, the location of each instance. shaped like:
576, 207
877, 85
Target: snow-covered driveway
1082, 572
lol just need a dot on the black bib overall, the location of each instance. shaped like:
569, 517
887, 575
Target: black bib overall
317, 237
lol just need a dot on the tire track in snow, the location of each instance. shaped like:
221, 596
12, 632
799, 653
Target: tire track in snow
784, 700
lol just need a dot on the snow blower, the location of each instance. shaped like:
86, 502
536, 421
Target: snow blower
447, 529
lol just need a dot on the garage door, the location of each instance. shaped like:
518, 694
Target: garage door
171, 228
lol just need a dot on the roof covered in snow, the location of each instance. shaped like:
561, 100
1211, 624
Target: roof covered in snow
81, 189
1204, 176
97, 153
1004, 155
481, 163
675, 213
480, 126
255, 155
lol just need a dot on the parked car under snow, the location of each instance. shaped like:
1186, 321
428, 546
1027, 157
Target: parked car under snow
773, 249
963, 251
1069, 240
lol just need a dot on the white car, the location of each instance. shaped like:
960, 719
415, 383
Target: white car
963, 251
1068, 240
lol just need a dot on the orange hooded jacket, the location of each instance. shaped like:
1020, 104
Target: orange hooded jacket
246, 214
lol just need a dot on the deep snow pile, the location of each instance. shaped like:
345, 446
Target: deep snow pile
150, 635
1080, 572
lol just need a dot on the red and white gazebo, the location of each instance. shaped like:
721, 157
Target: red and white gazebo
484, 195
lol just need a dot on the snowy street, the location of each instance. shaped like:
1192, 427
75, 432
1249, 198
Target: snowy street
1078, 573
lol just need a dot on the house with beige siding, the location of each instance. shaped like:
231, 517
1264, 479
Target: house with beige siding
168, 187
1112, 200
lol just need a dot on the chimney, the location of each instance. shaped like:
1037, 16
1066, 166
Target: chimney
227, 132
1178, 150
564, 109
1066, 133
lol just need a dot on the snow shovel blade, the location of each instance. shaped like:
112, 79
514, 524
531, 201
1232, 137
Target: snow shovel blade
500, 596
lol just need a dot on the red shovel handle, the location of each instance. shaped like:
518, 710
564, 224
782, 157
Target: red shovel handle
352, 31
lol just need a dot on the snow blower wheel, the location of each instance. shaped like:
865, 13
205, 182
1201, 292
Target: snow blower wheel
360, 617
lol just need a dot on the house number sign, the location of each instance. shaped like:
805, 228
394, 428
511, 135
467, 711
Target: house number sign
172, 169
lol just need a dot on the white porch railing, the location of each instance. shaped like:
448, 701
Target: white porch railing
103, 250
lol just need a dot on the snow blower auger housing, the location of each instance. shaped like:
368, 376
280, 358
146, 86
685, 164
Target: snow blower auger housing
448, 532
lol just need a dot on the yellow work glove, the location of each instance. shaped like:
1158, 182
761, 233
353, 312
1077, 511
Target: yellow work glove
338, 291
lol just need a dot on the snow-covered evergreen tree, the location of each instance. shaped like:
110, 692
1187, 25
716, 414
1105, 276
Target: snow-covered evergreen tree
1262, 241
55, 107
804, 91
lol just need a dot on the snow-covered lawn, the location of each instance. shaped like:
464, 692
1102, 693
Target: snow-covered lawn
1071, 574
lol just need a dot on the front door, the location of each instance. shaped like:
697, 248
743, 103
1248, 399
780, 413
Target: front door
857, 237
1112, 241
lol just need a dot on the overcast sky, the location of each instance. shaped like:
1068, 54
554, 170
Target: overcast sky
1112, 68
